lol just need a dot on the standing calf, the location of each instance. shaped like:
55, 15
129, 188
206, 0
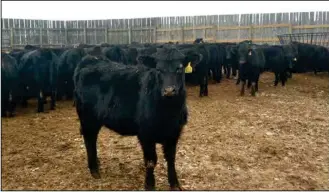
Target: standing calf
9, 83
252, 63
149, 103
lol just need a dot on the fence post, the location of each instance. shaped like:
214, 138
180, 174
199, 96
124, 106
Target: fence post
205, 32
66, 37
85, 35
11, 38
183, 36
155, 34
290, 28
215, 33
40, 37
251, 32
106, 35
129, 35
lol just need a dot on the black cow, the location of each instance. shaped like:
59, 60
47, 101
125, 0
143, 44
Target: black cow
311, 58
200, 69
115, 54
58, 51
9, 84
231, 60
321, 59
18, 54
277, 63
31, 47
105, 45
144, 58
215, 61
134, 101
252, 63
38, 76
132, 54
66, 65
290, 54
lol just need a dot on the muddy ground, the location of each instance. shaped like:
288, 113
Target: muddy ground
275, 141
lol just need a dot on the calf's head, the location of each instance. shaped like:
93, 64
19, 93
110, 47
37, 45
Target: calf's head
243, 51
291, 54
171, 64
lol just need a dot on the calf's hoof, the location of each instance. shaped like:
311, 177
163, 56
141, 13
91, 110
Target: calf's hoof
176, 188
149, 188
95, 174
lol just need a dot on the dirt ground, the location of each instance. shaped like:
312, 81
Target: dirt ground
275, 141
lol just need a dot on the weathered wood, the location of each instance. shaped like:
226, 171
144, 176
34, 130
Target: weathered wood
40, 36
219, 28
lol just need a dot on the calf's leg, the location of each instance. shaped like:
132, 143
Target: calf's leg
53, 100
206, 86
283, 78
169, 150
228, 72
276, 79
90, 134
242, 88
12, 105
256, 86
253, 88
41, 101
150, 160
249, 83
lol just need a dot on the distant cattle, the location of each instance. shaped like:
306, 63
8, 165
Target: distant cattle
311, 58
38, 76
149, 103
252, 63
216, 60
200, 69
66, 66
276, 62
290, 54
9, 84
231, 60
115, 54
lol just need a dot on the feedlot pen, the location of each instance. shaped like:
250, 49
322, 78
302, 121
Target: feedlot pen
275, 141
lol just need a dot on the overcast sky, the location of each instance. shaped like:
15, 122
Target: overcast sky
88, 10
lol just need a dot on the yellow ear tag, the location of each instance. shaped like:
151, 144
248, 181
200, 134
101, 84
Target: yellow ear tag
188, 68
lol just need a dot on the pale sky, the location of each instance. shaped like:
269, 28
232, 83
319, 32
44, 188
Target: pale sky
88, 10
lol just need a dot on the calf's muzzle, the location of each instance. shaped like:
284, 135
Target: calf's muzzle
169, 91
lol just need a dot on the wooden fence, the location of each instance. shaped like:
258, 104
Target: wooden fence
261, 28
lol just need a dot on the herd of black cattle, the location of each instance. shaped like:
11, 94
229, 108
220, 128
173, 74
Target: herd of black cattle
139, 89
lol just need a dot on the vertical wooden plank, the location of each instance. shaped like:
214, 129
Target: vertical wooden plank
11, 38
40, 36
85, 35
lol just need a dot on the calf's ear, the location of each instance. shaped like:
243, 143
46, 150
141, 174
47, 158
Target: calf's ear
193, 60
